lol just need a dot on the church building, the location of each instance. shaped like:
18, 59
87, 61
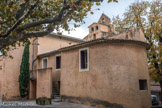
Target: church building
105, 70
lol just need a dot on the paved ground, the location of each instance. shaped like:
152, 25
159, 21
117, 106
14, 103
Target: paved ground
159, 106
32, 104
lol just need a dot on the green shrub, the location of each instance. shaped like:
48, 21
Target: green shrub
43, 101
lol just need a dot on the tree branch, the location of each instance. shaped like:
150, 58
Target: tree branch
8, 39
22, 36
20, 20
57, 18
20, 12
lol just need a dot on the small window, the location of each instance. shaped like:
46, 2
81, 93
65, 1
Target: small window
92, 29
103, 20
58, 62
44, 63
96, 27
94, 36
103, 34
143, 84
84, 59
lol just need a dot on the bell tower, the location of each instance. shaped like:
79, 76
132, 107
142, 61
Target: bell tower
100, 29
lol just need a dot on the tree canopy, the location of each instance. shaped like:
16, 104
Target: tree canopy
23, 19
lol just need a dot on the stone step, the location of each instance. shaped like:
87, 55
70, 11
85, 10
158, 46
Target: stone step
56, 100
57, 95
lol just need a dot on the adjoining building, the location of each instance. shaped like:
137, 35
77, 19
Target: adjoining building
103, 70
9, 74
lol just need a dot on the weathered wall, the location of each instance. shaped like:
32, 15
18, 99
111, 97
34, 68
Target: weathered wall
49, 43
98, 33
113, 76
102, 27
33, 89
33, 53
52, 64
11, 70
44, 83
134, 34
106, 19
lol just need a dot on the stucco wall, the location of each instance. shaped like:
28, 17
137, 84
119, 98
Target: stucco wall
107, 20
113, 76
33, 53
98, 33
52, 64
11, 70
44, 83
134, 34
49, 43
33, 89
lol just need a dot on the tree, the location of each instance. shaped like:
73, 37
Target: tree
24, 73
23, 19
147, 16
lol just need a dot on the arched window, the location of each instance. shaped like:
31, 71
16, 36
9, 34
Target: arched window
103, 20
92, 29
96, 27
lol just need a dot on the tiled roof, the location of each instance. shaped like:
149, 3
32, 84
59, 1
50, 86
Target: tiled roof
105, 15
98, 41
108, 41
48, 53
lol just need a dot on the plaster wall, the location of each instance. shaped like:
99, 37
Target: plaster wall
113, 76
10, 73
52, 64
98, 33
33, 53
44, 83
106, 20
11, 70
49, 43
134, 34
33, 90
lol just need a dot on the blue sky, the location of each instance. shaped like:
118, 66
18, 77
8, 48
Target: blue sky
110, 9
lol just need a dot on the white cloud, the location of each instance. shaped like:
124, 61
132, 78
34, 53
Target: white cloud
78, 32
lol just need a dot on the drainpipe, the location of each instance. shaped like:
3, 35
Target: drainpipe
33, 60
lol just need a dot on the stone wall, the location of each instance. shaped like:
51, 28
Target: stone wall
112, 79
